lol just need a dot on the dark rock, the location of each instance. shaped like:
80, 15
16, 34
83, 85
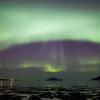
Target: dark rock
46, 95
34, 97
16, 98
77, 96
62, 96
54, 79
96, 78
5, 97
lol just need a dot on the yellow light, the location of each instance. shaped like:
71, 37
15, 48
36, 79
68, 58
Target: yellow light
51, 68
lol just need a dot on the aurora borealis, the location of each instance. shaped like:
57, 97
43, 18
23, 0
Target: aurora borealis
39, 23
52, 37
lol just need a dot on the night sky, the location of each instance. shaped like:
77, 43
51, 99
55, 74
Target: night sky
50, 35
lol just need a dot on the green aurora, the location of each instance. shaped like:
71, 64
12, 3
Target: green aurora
20, 25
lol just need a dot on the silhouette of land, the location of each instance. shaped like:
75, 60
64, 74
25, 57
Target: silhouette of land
53, 79
96, 78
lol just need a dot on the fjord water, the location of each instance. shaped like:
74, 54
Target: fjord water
68, 79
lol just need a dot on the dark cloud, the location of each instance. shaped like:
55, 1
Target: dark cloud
68, 54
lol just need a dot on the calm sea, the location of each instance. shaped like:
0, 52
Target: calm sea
68, 80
